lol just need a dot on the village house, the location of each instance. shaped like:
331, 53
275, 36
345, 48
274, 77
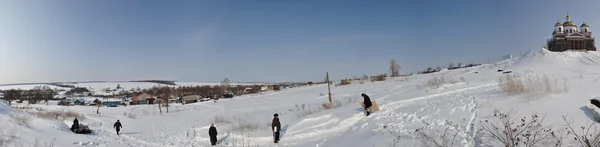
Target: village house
80, 101
142, 98
112, 102
190, 99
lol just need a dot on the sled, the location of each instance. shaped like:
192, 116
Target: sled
373, 108
82, 129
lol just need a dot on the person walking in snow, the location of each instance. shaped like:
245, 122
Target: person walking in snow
212, 132
276, 127
367, 103
118, 126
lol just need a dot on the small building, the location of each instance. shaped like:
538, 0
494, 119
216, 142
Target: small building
111, 102
190, 99
142, 98
64, 102
80, 101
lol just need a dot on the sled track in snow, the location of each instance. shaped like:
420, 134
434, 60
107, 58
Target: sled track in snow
124, 139
397, 104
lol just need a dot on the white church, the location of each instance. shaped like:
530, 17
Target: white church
566, 36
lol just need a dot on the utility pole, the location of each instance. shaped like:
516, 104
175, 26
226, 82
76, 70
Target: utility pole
168, 97
328, 86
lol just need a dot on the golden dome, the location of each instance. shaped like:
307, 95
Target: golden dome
569, 23
558, 23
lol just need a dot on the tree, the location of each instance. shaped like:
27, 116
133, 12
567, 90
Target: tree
49, 95
438, 68
11, 95
429, 69
225, 85
459, 64
394, 68
451, 65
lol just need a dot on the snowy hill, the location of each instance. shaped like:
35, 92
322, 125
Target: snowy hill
466, 97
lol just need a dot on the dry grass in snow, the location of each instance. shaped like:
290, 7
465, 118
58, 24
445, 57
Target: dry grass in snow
439, 81
534, 86
21, 119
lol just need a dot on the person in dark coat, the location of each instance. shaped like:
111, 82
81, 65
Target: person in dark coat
75, 125
118, 126
212, 132
367, 102
276, 127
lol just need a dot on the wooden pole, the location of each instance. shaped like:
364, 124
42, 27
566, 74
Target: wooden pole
328, 86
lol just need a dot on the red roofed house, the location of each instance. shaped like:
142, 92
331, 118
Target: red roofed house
142, 98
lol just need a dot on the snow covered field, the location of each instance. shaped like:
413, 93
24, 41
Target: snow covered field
466, 97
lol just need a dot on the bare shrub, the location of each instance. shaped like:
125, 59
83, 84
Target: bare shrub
512, 132
438, 136
587, 137
333, 104
381, 77
540, 86
220, 120
511, 84
304, 110
241, 137
129, 115
536, 86
21, 119
56, 115
436, 82
246, 126
344, 82
22, 107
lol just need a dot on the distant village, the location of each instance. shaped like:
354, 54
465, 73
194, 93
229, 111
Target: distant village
69, 95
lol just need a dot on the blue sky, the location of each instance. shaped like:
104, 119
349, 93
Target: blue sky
266, 40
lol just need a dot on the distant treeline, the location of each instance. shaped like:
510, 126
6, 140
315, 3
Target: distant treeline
158, 81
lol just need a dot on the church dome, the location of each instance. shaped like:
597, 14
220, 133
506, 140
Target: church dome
569, 23
584, 25
558, 23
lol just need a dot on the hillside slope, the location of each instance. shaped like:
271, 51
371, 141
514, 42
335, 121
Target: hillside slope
464, 96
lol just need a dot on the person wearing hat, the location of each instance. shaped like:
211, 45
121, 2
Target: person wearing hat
276, 127
118, 126
212, 132
367, 102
